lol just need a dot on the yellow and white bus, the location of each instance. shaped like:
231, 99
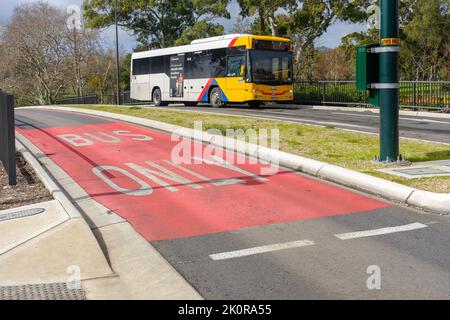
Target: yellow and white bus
228, 69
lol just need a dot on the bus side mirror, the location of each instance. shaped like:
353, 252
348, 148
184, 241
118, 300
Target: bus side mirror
243, 71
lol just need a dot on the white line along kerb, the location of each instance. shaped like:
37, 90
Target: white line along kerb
259, 250
377, 232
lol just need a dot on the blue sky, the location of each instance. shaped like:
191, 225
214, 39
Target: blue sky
331, 39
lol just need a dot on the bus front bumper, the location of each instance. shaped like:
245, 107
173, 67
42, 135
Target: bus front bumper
273, 94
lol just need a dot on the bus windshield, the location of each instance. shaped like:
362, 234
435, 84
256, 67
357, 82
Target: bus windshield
271, 67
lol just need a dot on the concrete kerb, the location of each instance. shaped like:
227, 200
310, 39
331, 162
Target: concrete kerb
48, 182
435, 202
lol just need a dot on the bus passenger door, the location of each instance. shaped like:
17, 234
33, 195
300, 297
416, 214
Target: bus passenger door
235, 78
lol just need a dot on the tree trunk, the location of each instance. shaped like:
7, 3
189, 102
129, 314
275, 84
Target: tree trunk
273, 26
262, 23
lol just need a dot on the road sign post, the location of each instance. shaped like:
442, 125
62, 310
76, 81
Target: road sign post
388, 81
377, 71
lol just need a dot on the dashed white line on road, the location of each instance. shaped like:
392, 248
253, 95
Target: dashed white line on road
425, 120
401, 118
260, 250
356, 115
321, 123
377, 232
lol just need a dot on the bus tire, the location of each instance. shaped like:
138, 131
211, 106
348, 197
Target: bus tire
215, 97
157, 98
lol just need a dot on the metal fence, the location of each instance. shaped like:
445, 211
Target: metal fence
125, 99
433, 95
92, 99
7, 136
413, 94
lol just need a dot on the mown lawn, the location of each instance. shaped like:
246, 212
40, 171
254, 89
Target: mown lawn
343, 148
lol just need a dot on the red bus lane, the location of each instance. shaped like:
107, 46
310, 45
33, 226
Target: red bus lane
129, 170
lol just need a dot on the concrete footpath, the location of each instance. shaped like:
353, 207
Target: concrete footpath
42, 246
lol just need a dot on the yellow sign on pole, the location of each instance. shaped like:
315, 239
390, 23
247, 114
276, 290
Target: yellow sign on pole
390, 41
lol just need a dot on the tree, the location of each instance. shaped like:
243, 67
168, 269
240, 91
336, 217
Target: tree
45, 60
102, 80
333, 65
424, 39
266, 11
201, 29
156, 23
311, 20
81, 44
125, 71
37, 51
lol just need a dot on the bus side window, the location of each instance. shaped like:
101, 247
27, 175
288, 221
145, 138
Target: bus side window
234, 65
141, 66
218, 63
199, 65
157, 65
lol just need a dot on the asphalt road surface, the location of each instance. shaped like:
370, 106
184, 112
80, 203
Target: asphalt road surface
417, 127
236, 234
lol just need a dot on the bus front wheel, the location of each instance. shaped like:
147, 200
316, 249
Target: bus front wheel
215, 97
157, 98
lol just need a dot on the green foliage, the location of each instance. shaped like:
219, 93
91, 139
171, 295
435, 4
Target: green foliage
155, 24
124, 73
265, 10
312, 20
425, 36
201, 29
424, 33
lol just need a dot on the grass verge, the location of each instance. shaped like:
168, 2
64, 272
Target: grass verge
343, 148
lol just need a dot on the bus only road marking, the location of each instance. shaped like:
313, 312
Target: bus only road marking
131, 171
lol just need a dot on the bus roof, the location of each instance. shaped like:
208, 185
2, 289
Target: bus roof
229, 40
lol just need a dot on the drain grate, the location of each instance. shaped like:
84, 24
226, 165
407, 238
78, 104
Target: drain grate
44, 291
21, 214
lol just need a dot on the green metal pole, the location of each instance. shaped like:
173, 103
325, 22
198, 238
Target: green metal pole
389, 82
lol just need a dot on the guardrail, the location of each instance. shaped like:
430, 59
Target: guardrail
433, 95
7, 136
